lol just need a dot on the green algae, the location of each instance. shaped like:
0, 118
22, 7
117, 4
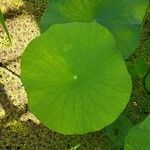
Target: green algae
17, 127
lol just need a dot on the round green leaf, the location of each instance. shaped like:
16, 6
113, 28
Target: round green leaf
75, 78
147, 82
122, 18
139, 137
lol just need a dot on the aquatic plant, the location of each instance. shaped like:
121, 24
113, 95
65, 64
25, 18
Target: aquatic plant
74, 73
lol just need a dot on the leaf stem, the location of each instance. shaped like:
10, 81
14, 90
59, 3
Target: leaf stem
2, 21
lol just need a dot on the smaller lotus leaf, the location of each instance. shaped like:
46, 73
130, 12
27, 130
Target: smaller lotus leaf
139, 137
118, 130
123, 18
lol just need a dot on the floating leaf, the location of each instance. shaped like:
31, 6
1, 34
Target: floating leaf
122, 18
118, 130
75, 78
139, 137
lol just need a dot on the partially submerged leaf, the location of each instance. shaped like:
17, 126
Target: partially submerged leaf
75, 78
139, 137
118, 130
122, 18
